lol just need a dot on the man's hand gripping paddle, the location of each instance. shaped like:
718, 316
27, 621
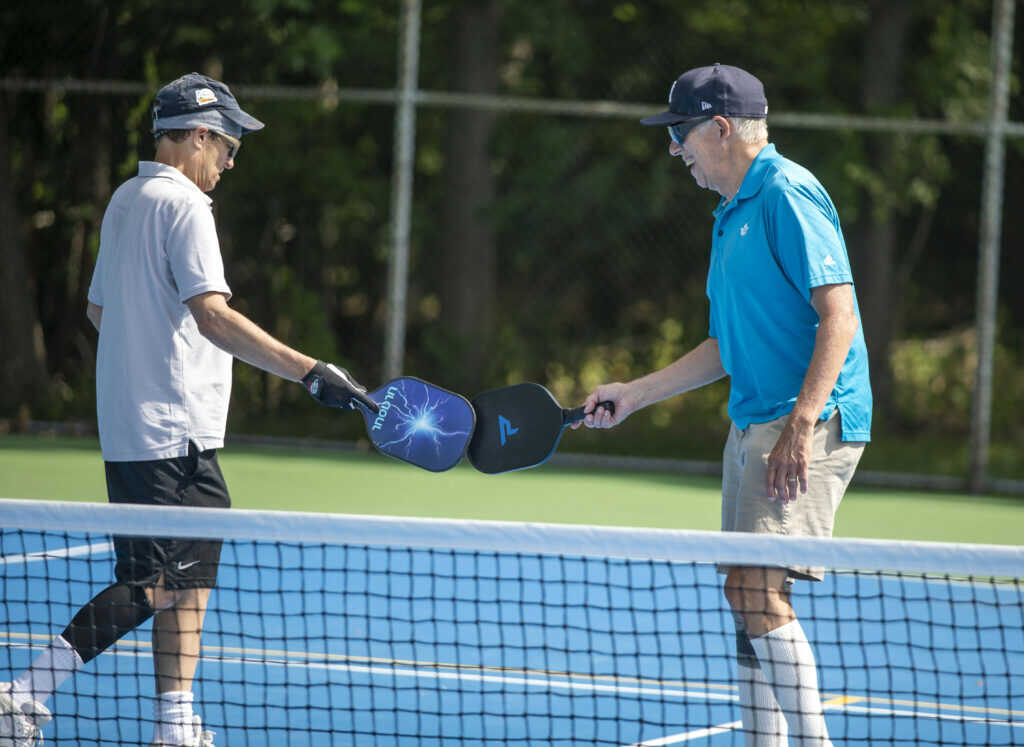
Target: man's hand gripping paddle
518, 427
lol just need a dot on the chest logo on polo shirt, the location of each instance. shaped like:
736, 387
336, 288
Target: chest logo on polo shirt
743, 231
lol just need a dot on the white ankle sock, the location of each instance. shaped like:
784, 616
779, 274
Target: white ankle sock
172, 712
788, 664
764, 724
48, 672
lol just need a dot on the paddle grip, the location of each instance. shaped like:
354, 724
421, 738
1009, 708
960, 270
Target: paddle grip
576, 414
366, 402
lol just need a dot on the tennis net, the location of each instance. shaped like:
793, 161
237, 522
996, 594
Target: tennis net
339, 630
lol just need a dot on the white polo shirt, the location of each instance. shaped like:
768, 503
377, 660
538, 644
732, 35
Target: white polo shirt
159, 382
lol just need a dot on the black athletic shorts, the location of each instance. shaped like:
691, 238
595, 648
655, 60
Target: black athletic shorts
193, 480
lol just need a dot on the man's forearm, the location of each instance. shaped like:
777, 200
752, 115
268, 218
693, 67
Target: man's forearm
831, 346
701, 366
236, 334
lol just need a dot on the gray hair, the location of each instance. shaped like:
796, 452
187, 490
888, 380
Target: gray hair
750, 130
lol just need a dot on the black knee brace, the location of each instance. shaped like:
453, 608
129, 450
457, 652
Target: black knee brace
745, 653
116, 610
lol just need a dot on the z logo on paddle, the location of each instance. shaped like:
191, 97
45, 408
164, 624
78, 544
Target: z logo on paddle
505, 429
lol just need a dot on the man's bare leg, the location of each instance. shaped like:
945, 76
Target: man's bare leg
177, 631
761, 597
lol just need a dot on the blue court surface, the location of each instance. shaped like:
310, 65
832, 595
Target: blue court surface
331, 645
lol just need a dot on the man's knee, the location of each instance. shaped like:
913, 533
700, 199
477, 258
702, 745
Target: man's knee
162, 599
115, 611
733, 594
745, 589
760, 596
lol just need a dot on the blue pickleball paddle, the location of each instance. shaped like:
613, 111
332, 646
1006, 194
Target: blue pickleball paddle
418, 422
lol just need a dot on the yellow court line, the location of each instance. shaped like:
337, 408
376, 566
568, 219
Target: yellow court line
841, 700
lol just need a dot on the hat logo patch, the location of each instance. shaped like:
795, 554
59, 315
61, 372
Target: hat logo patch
704, 106
205, 96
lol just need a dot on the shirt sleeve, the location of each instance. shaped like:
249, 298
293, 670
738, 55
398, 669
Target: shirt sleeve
193, 252
804, 234
95, 294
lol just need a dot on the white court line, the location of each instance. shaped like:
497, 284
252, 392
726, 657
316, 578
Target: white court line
843, 703
876, 711
224, 655
70, 552
713, 730
423, 670
690, 735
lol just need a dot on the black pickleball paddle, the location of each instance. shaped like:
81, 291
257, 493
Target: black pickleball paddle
518, 427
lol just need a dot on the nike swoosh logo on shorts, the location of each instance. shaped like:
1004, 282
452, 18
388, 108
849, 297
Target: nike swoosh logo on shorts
184, 566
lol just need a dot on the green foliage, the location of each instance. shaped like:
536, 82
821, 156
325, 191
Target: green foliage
957, 89
602, 240
935, 381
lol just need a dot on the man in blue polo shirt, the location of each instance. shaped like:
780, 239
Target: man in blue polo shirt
785, 327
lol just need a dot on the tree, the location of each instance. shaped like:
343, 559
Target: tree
23, 373
879, 235
469, 280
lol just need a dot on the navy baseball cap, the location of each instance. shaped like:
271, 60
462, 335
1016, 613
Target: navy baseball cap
701, 93
194, 100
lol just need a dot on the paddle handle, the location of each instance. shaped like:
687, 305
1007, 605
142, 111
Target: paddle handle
366, 402
575, 415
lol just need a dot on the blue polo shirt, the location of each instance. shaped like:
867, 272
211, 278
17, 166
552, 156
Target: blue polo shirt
775, 241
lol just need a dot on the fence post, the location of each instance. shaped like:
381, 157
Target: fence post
989, 240
401, 186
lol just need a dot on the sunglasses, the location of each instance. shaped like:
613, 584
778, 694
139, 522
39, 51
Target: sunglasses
233, 143
678, 132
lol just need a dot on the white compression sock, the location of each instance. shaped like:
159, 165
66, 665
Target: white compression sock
48, 672
764, 724
172, 712
788, 665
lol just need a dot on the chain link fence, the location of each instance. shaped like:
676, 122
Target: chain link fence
356, 227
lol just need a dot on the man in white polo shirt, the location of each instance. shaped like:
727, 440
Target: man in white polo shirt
163, 380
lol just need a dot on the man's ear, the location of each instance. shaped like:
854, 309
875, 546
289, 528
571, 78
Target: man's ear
199, 135
724, 127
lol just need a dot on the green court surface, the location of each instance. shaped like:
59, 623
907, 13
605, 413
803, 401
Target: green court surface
296, 479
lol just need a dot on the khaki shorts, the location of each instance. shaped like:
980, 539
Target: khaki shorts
745, 503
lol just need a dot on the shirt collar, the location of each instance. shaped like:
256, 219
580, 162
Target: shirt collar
757, 172
753, 179
155, 169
